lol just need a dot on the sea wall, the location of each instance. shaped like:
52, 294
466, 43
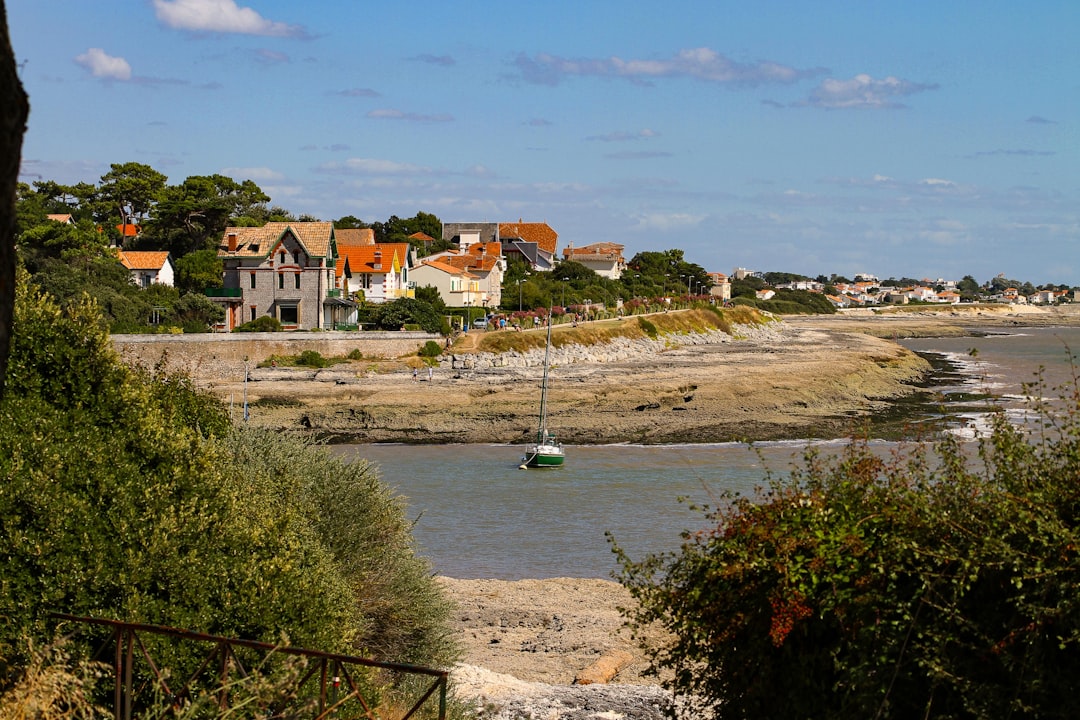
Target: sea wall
217, 355
617, 350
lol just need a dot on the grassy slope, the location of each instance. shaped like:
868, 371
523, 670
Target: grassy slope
679, 322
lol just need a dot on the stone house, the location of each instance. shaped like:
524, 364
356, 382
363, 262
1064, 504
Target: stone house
284, 270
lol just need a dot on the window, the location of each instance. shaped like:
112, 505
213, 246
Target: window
289, 314
296, 257
281, 257
281, 281
252, 281
296, 281
252, 311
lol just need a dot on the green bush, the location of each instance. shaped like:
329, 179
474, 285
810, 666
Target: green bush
430, 349
265, 323
942, 581
648, 328
312, 358
127, 494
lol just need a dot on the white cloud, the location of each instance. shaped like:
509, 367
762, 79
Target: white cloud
863, 91
223, 16
667, 222
937, 182
699, 63
102, 65
260, 174
375, 166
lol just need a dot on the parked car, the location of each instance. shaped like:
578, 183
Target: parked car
480, 323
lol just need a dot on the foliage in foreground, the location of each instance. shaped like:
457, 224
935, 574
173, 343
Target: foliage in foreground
126, 494
942, 581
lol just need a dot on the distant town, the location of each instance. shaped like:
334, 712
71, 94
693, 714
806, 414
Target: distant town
211, 255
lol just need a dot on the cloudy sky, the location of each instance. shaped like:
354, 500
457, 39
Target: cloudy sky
918, 139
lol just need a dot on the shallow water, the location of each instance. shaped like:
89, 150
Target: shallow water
479, 516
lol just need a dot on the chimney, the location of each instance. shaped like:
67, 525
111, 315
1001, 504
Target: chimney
232, 242
378, 260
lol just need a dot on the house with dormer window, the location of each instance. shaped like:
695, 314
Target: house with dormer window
378, 272
285, 270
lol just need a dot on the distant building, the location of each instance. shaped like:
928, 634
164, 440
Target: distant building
148, 268
603, 258
285, 270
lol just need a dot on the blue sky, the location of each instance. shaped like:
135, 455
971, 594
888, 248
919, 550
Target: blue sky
917, 139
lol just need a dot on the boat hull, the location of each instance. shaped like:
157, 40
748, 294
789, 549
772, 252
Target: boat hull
543, 456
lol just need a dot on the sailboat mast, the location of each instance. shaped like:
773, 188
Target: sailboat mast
543, 384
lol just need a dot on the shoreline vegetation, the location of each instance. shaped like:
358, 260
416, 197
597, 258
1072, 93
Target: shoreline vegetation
693, 376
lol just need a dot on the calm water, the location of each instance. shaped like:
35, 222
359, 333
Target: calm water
479, 516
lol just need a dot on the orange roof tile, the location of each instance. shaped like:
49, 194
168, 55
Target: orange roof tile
142, 260
446, 267
539, 233
361, 258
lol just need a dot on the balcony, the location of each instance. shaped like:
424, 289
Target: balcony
224, 292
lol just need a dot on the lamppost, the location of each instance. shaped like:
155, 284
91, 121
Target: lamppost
246, 414
520, 280
468, 315
563, 303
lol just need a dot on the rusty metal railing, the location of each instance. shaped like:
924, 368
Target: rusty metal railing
337, 685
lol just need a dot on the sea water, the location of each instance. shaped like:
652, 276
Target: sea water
477, 515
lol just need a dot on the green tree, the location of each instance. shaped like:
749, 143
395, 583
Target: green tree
430, 295
199, 270
193, 215
130, 190
938, 582
128, 494
405, 311
968, 288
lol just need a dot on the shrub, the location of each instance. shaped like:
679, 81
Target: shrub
430, 349
940, 582
265, 323
648, 328
355, 354
312, 358
127, 494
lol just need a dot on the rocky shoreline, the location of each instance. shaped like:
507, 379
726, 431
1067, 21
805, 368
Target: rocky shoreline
777, 381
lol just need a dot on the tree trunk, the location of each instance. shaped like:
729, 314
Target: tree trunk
14, 109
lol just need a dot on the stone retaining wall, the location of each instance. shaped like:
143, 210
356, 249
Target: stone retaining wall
617, 350
222, 354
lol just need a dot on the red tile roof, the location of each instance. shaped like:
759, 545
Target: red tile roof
142, 260
361, 258
539, 233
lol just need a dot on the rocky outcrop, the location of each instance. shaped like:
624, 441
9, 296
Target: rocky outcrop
767, 382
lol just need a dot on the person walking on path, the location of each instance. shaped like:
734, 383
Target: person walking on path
430, 372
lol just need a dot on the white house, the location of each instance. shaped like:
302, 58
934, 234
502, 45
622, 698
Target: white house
603, 258
148, 268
